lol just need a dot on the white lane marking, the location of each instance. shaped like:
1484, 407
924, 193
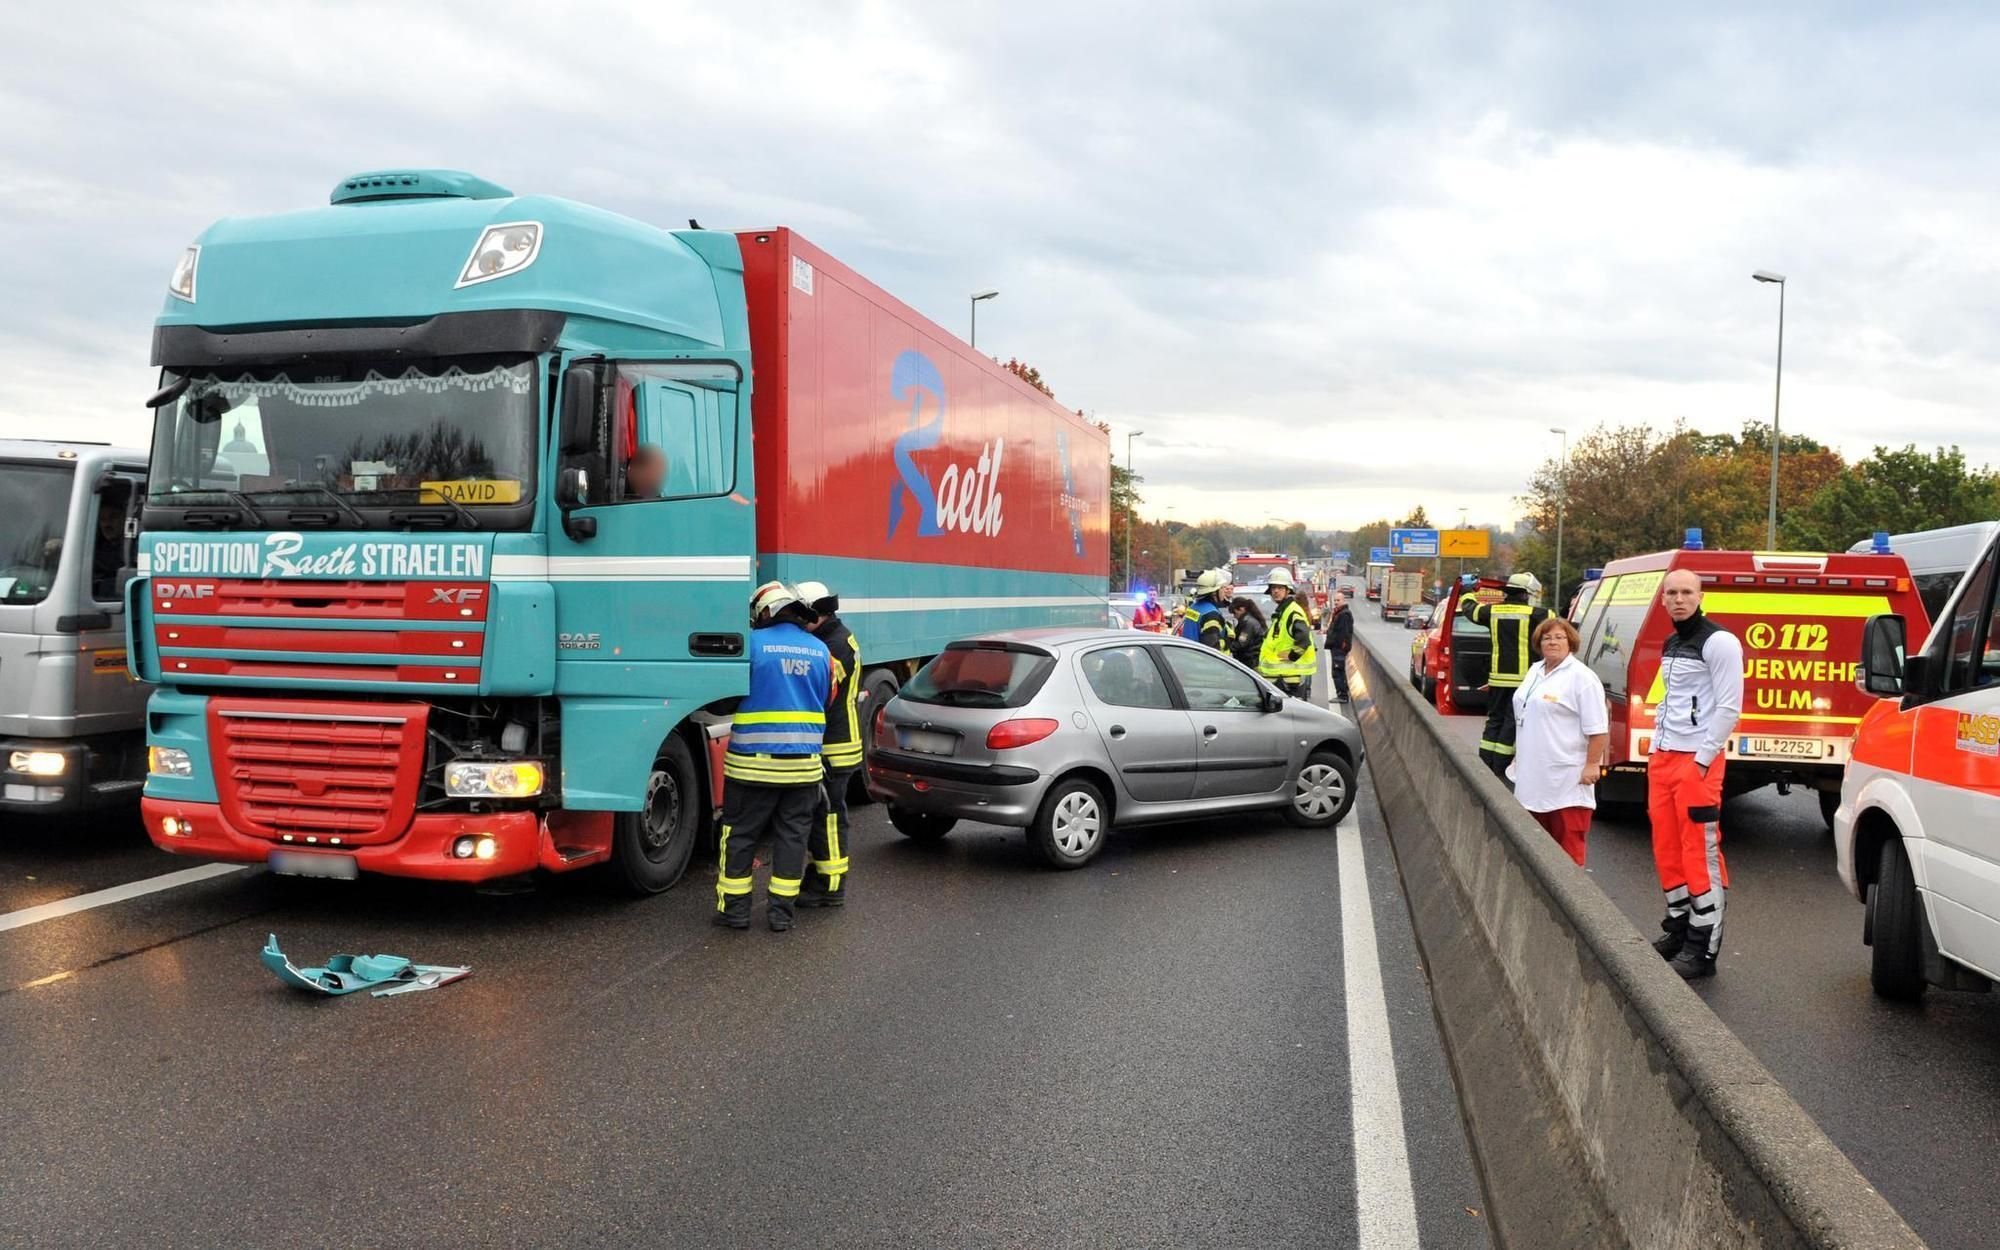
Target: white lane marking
1382, 1190
116, 894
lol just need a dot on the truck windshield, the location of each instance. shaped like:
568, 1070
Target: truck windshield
379, 436
35, 500
1255, 573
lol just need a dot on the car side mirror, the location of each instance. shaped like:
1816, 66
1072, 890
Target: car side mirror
573, 492
1885, 669
1271, 701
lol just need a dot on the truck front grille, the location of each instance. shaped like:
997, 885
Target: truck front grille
317, 770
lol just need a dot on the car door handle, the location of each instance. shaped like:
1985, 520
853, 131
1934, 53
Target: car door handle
1208, 731
1116, 731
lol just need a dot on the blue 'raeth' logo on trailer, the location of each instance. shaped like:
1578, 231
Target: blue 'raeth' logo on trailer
913, 375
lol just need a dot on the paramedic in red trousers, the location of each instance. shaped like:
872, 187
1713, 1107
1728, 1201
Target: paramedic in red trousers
1701, 667
772, 770
826, 866
1561, 730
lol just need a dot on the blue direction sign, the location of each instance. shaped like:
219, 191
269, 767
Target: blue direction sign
1340, 555
1379, 555
1413, 542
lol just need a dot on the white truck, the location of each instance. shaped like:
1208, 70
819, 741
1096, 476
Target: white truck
1401, 590
72, 719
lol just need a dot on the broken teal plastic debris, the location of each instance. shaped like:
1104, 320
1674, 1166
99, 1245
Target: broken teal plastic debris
344, 974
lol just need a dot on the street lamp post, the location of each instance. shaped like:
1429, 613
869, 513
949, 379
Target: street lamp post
1129, 517
1777, 393
976, 297
1562, 501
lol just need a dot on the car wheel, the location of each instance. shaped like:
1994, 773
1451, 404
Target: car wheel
1069, 829
1829, 803
1430, 690
920, 826
1893, 921
650, 847
1323, 792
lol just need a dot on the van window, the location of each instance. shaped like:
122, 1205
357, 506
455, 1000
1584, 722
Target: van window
1962, 639
1614, 637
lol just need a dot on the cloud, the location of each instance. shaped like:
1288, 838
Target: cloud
1335, 260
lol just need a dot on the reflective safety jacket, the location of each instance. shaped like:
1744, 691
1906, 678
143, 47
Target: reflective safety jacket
775, 737
843, 717
1290, 634
1512, 626
1203, 622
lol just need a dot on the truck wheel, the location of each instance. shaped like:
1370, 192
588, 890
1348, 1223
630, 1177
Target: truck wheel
1829, 802
650, 847
1069, 829
1323, 792
877, 688
1893, 921
920, 826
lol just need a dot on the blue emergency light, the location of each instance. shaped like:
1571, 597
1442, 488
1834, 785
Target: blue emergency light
1591, 575
1693, 542
1882, 543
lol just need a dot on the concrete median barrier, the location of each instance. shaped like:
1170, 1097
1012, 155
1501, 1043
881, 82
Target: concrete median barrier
1606, 1104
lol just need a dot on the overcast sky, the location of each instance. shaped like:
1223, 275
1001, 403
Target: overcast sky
1334, 260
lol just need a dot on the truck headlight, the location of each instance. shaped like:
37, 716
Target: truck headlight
182, 283
506, 248
507, 779
38, 763
169, 762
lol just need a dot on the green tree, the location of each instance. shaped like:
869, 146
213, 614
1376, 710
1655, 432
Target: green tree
1898, 490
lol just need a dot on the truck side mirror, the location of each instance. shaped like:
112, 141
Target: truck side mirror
579, 411
573, 492
1884, 667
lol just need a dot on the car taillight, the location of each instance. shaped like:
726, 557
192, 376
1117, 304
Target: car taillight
884, 736
1020, 733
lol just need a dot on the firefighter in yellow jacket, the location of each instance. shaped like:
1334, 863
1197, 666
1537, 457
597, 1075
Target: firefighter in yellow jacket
826, 869
1511, 622
1288, 656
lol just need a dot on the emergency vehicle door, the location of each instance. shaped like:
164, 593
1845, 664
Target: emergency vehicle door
653, 572
1955, 762
1150, 741
1244, 749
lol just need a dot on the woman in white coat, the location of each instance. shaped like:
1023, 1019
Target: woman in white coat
1563, 731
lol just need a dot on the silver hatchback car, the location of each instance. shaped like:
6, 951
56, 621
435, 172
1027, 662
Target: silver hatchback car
1071, 732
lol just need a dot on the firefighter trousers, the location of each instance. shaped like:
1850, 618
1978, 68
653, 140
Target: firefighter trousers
826, 868
1686, 812
1496, 742
750, 811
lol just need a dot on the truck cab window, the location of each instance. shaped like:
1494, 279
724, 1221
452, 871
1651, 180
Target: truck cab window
108, 544
683, 437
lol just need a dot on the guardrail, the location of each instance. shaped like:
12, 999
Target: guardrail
1606, 1104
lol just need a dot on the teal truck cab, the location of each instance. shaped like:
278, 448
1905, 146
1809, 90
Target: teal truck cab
458, 498
71, 717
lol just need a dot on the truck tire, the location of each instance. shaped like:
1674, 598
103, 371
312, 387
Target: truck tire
650, 847
1069, 828
920, 826
1894, 921
878, 686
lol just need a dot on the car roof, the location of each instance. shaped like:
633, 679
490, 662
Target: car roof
1060, 637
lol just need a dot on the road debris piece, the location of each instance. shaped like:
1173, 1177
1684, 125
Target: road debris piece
344, 974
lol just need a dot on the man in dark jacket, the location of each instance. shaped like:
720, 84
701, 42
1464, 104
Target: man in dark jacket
1339, 641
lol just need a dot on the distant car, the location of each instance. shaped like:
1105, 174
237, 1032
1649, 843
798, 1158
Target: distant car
1418, 616
1069, 733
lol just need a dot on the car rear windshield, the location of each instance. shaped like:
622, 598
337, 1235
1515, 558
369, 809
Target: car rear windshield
981, 675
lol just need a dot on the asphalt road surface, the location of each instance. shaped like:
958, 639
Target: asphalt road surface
1179, 1045
1912, 1094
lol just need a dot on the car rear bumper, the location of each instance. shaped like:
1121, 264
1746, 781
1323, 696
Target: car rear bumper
996, 794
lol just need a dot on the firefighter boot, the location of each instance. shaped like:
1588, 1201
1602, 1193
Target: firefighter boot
1673, 936
1697, 956
733, 913
778, 914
